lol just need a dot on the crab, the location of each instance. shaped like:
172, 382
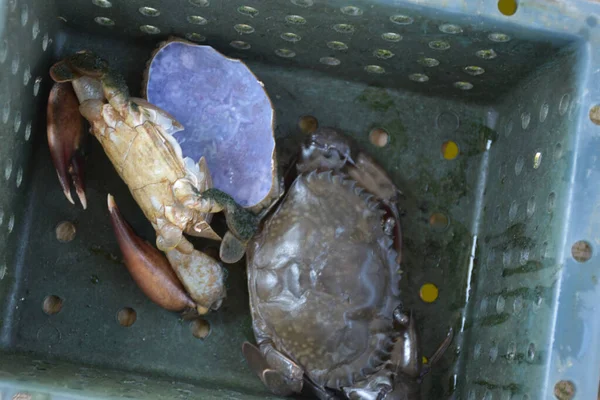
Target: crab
323, 278
138, 139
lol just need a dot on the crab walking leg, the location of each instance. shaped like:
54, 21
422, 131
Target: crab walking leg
65, 132
281, 375
148, 267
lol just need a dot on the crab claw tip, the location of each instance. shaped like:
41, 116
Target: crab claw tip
82, 198
111, 202
68, 196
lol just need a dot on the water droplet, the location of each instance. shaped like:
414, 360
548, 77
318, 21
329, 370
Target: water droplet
337, 45
530, 206
329, 61
19, 177
303, 3
352, 10
197, 20
249, 11
401, 19
8, 169
519, 165
149, 11
295, 20
525, 120
462, 85
439, 45
374, 69
17, 122
429, 62
240, 45
200, 3
343, 28
3, 50
518, 305
418, 77
383, 54
498, 37
291, 37
285, 53
531, 352
391, 37
102, 3
36, 85
195, 37
24, 14
35, 29
243, 29
26, 75
500, 303
544, 112
474, 70
451, 29
150, 29
486, 54
104, 21
28, 131
564, 104
493, 353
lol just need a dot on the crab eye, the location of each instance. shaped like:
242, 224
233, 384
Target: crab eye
328, 153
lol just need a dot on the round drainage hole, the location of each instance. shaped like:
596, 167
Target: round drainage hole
200, 328
308, 124
581, 251
52, 304
126, 316
65, 231
564, 390
379, 137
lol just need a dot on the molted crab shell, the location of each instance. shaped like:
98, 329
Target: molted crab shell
227, 117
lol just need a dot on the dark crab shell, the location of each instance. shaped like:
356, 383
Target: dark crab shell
324, 280
226, 114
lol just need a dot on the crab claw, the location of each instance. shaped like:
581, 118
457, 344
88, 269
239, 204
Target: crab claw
65, 131
148, 267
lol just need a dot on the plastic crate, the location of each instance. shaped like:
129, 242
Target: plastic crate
515, 266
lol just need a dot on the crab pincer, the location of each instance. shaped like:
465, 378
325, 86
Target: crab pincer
65, 130
148, 267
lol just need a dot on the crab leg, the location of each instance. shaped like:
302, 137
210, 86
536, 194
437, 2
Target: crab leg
65, 138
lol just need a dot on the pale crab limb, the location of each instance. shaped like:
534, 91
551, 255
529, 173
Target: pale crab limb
201, 275
278, 373
65, 138
149, 268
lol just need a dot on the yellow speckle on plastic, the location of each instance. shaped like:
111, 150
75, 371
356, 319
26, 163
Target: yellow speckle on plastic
507, 7
425, 360
428, 293
449, 150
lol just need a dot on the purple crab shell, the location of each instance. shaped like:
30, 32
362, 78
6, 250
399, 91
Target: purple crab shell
226, 114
